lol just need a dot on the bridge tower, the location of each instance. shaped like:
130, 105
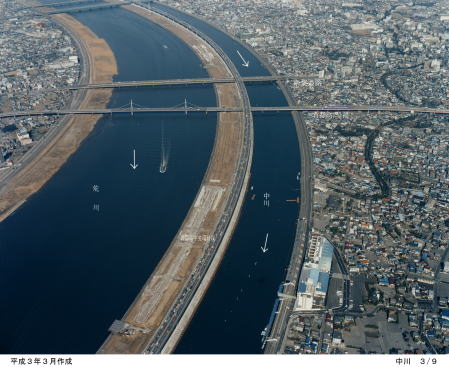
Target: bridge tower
132, 108
185, 105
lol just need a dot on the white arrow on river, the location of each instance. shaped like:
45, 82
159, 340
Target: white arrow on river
134, 165
265, 248
245, 63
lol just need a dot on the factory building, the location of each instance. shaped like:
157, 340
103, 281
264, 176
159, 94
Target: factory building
314, 278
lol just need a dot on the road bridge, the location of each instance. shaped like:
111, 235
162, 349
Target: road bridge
173, 82
402, 109
79, 9
55, 5
134, 110
192, 81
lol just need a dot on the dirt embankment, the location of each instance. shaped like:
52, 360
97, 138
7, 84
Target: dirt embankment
100, 60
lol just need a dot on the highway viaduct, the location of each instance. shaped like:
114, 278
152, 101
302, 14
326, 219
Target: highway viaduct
79, 9
209, 109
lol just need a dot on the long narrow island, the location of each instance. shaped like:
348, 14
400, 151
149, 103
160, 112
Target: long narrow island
162, 310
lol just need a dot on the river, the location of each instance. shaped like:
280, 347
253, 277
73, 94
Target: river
239, 302
75, 255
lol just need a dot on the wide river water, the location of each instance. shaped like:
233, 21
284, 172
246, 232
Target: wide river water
75, 255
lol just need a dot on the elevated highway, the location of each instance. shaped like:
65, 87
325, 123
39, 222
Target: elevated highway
80, 9
271, 109
172, 82
165, 335
192, 81
165, 338
402, 109
56, 5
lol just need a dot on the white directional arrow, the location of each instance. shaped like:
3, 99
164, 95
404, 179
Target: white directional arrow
265, 248
245, 63
134, 165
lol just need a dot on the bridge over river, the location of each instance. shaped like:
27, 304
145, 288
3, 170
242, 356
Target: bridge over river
79, 9
186, 82
131, 110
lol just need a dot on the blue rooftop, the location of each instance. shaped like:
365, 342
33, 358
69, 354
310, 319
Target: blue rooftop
314, 275
302, 287
323, 279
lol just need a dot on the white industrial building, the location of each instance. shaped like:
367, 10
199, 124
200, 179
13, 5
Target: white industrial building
315, 274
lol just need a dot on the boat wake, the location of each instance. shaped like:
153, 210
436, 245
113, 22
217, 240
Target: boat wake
165, 151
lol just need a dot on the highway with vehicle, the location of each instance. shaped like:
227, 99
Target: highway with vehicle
178, 308
132, 110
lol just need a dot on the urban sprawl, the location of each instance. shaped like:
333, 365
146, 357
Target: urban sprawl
37, 60
381, 180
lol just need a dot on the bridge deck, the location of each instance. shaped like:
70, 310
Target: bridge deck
55, 5
88, 8
401, 109
192, 81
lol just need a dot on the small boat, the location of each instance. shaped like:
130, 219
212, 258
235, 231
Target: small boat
165, 152
163, 167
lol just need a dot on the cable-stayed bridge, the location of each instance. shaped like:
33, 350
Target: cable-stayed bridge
185, 107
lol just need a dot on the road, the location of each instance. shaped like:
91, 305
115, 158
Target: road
275, 340
347, 283
130, 110
174, 316
54, 5
79, 9
444, 258
192, 81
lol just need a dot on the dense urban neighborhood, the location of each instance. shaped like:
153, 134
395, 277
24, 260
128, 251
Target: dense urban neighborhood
37, 59
381, 180
375, 272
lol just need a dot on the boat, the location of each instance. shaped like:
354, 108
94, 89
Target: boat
266, 332
165, 152
163, 167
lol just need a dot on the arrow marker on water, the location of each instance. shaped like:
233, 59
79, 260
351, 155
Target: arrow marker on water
264, 248
245, 63
134, 165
